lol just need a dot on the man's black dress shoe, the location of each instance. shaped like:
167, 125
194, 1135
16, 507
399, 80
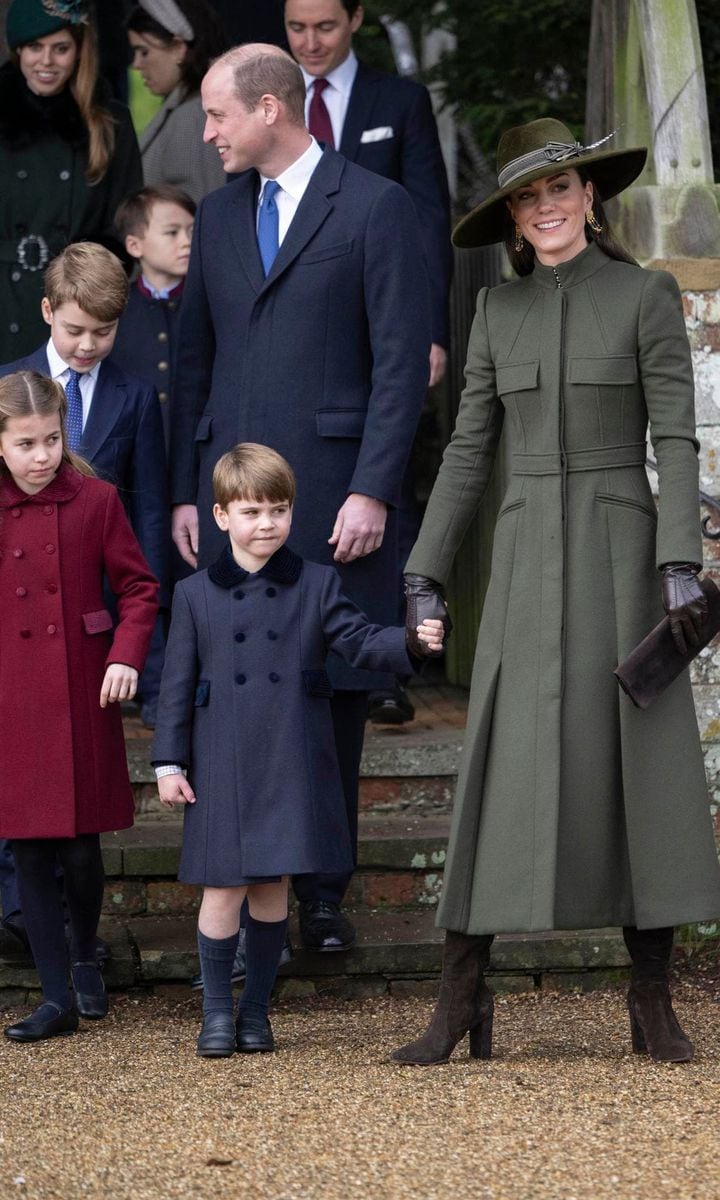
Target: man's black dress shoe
324, 927
392, 707
93, 1003
49, 1020
217, 1036
238, 967
254, 1036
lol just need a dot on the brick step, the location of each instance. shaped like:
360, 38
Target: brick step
400, 863
396, 953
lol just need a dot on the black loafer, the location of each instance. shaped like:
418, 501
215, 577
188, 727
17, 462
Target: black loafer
323, 927
217, 1036
390, 708
238, 967
92, 1005
253, 1036
49, 1020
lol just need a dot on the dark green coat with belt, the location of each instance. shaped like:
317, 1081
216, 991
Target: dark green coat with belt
46, 201
574, 809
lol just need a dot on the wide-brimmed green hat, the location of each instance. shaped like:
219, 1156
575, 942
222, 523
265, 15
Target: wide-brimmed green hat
28, 20
544, 147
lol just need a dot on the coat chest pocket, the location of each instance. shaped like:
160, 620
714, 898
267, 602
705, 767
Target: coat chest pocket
324, 253
203, 433
98, 622
202, 693
616, 371
340, 422
317, 683
516, 377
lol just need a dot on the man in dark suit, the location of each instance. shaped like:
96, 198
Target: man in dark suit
387, 125
305, 326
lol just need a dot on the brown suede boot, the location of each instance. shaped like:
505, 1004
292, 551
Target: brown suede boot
654, 1028
464, 1005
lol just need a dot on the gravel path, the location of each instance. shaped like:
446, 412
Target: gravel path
126, 1111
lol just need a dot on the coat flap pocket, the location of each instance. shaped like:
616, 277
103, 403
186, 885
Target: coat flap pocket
204, 429
516, 377
621, 368
340, 422
97, 622
317, 683
325, 252
202, 693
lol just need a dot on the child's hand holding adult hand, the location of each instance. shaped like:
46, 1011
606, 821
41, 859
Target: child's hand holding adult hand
431, 634
175, 789
120, 683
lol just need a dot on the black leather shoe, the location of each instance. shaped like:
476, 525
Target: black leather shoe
253, 1036
49, 1020
324, 927
392, 707
238, 967
217, 1036
92, 1004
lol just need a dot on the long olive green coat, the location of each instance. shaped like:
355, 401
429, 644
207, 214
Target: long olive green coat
574, 809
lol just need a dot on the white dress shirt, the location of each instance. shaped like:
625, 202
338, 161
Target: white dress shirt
293, 184
60, 372
337, 95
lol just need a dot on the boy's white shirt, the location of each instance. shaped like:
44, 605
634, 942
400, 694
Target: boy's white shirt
60, 372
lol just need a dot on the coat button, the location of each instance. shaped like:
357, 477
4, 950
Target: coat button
52, 588
22, 173
48, 510
239, 594
273, 677
162, 397
162, 366
21, 591
52, 628
64, 175
14, 327
239, 637
240, 679
18, 553
16, 276
15, 512
49, 549
162, 336
270, 591
272, 635
25, 633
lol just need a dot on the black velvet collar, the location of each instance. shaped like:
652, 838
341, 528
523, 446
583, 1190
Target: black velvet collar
26, 118
283, 567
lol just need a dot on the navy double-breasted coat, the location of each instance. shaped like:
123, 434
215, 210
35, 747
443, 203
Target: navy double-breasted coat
244, 705
325, 360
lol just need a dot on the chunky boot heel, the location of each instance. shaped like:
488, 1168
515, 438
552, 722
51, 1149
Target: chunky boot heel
465, 1005
654, 1027
481, 1035
637, 1037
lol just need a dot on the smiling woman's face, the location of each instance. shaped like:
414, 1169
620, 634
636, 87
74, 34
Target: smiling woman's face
550, 214
48, 63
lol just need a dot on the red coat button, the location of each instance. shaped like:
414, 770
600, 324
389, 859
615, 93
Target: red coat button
21, 591
24, 633
15, 512
48, 510
52, 628
17, 553
52, 588
50, 549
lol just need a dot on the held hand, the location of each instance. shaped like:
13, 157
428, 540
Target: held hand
684, 602
438, 364
185, 529
359, 527
431, 634
120, 683
424, 603
175, 789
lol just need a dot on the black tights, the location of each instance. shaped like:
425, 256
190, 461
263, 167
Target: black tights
650, 951
36, 860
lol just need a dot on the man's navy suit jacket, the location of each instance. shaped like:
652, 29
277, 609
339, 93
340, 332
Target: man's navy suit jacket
411, 156
325, 361
123, 441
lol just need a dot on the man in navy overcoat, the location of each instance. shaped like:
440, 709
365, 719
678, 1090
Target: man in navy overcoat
319, 348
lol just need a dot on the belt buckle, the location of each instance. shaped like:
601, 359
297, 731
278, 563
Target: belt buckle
42, 249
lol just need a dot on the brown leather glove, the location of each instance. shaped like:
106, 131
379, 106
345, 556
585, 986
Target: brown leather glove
424, 602
684, 602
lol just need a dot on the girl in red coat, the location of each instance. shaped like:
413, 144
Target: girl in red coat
62, 670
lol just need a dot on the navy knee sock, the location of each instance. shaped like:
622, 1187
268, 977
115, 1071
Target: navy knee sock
216, 960
264, 941
35, 861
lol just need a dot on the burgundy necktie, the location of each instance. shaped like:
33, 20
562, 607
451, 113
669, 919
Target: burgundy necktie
319, 122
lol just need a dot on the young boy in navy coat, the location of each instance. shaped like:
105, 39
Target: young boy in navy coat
155, 226
244, 710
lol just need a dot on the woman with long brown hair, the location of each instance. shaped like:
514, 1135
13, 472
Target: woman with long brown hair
68, 154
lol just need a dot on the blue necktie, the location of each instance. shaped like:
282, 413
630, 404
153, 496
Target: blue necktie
267, 230
74, 416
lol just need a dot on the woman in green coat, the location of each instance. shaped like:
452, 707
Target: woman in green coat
574, 809
67, 157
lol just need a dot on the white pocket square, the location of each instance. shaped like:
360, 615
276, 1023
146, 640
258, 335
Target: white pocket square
377, 135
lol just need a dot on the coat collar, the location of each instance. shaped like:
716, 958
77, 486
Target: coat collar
283, 567
575, 270
64, 486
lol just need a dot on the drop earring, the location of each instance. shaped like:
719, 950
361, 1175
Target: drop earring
593, 221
